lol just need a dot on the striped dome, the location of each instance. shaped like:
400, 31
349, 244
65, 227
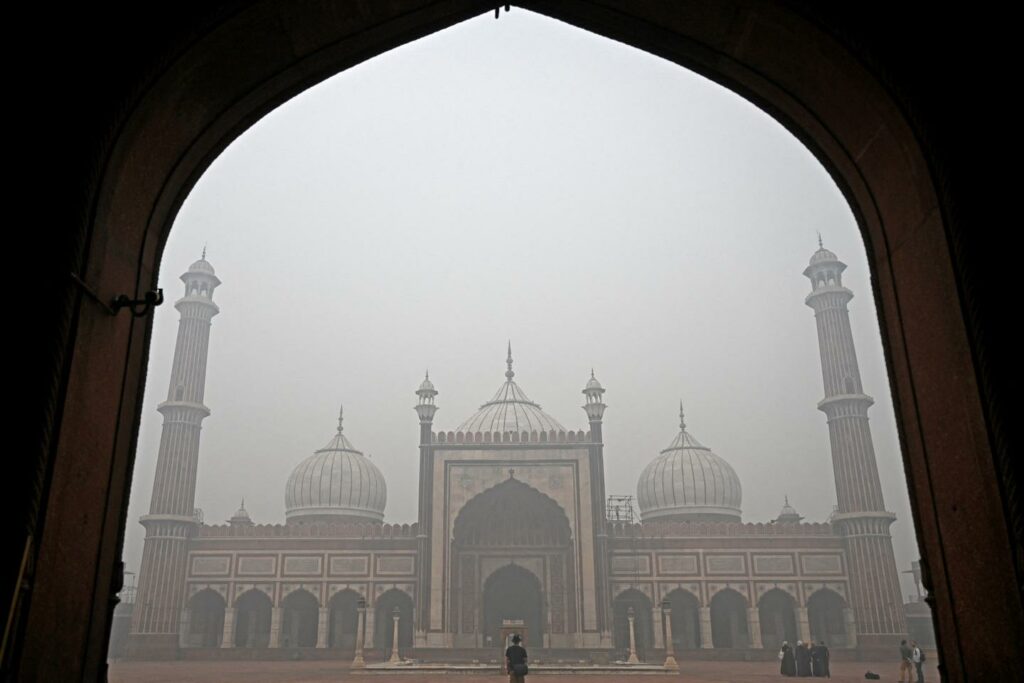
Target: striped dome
335, 482
510, 410
689, 482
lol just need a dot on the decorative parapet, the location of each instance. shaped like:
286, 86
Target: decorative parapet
310, 530
510, 437
676, 529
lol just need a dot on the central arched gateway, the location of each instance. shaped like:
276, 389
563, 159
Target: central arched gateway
513, 594
512, 560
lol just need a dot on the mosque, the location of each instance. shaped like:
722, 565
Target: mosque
515, 532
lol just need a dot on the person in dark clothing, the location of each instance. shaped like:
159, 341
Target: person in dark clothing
803, 659
515, 661
819, 660
788, 666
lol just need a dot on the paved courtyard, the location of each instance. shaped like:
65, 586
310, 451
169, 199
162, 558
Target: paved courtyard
320, 671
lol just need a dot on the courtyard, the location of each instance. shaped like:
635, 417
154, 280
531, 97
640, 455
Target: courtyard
318, 671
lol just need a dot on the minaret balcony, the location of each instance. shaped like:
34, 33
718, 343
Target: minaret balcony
855, 405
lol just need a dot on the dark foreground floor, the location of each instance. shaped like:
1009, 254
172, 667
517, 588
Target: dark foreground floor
317, 672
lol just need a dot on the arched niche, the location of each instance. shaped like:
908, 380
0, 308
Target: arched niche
384, 619
300, 613
643, 623
343, 619
253, 611
685, 619
729, 620
777, 616
826, 616
206, 619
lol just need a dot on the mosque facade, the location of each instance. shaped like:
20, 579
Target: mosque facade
515, 532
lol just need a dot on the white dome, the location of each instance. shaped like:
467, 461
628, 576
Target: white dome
688, 481
510, 410
336, 481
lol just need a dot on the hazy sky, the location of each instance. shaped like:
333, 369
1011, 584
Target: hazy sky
516, 179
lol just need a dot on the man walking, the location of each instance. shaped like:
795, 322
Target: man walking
905, 664
917, 657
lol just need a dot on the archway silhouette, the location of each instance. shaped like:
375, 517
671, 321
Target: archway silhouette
729, 620
206, 619
299, 619
685, 619
643, 623
820, 86
252, 619
778, 618
343, 619
384, 620
514, 593
825, 614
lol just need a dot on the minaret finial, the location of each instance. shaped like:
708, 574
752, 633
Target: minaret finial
820, 244
787, 499
682, 418
427, 376
204, 251
508, 361
341, 418
592, 373
243, 502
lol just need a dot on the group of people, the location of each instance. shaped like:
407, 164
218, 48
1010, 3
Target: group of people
911, 659
804, 659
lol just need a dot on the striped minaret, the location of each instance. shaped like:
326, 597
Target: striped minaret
172, 517
861, 517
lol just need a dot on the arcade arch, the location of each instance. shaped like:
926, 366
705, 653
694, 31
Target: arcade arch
343, 619
685, 619
826, 615
206, 618
384, 619
776, 612
300, 612
729, 620
253, 611
643, 623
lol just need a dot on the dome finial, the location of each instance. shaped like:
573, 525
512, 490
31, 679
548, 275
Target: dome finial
341, 419
426, 375
204, 251
508, 361
682, 418
820, 244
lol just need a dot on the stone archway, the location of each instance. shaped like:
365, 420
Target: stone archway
206, 619
513, 594
729, 620
384, 620
643, 623
826, 615
343, 619
819, 72
512, 523
685, 619
776, 612
299, 619
252, 619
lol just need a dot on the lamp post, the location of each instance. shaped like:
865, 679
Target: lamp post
395, 659
631, 616
357, 661
670, 654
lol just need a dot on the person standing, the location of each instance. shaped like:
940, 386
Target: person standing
917, 658
803, 659
905, 664
825, 655
515, 661
788, 666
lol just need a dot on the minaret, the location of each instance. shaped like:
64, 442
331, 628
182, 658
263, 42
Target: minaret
425, 409
595, 407
861, 517
172, 516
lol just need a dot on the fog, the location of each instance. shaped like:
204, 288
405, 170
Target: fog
516, 180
